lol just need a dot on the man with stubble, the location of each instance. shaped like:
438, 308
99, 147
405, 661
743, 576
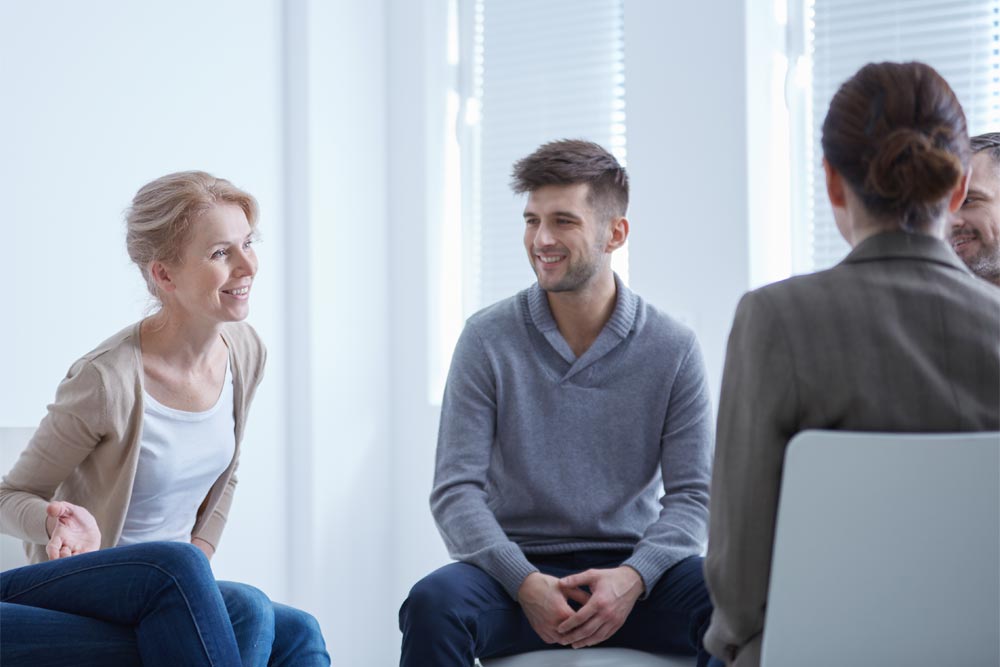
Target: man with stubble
573, 459
975, 227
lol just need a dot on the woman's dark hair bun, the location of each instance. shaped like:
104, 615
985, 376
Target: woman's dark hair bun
897, 134
911, 166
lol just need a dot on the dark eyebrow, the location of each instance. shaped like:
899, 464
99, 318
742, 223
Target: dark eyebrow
558, 214
976, 192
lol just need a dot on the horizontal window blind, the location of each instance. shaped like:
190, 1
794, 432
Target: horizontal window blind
545, 71
959, 38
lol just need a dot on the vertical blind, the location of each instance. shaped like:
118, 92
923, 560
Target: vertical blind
959, 38
545, 71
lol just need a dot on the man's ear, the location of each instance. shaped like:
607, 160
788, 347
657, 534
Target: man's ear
960, 192
619, 234
834, 186
162, 276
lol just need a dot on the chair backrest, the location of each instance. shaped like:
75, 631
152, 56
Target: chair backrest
12, 442
887, 551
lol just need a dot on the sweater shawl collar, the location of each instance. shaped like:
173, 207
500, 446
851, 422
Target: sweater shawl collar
622, 320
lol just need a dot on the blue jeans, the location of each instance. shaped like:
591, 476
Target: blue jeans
150, 604
263, 632
272, 634
458, 613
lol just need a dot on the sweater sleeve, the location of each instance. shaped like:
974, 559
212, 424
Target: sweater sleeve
465, 438
757, 416
73, 426
211, 529
685, 446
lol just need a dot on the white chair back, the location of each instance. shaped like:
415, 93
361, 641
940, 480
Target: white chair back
887, 551
12, 443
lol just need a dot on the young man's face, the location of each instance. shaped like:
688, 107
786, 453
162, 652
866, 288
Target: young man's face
975, 227
567, 243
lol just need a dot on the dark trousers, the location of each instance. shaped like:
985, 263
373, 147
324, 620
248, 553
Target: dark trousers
458, 613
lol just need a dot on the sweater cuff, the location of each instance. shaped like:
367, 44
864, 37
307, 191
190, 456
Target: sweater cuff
650, 563
26, 521
511, 568
37, 531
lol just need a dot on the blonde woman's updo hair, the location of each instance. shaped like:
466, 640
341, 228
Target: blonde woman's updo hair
158, 223
897, 134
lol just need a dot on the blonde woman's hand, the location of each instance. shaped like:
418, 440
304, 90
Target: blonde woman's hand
72, 530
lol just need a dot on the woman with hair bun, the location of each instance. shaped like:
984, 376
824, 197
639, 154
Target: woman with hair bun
125, 487
898, 337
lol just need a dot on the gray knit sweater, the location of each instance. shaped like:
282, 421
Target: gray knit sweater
541, 452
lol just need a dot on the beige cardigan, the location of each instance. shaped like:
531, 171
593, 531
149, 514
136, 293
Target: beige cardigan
86, 449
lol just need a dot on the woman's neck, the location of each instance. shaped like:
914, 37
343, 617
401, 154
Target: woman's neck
181, 343
862, 224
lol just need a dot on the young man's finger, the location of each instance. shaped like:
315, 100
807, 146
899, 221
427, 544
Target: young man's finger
593, 637
579, 579
585, 613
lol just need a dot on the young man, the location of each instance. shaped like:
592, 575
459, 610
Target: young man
975, 228
567, 406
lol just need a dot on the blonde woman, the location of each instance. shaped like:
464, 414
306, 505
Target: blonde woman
143, 439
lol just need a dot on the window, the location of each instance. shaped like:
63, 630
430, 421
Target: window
958, 38
526, 73
545, 71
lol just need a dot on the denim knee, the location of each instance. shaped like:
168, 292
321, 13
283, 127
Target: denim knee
251, 613
248, 605
178, 558
184, 563
298, 638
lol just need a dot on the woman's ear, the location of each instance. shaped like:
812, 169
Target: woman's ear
836, 190
834, 186
162, 276
960, 192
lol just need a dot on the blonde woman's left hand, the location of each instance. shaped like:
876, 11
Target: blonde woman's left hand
72, 530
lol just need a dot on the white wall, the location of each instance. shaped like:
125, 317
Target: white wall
418, 81
341, 497
685, 104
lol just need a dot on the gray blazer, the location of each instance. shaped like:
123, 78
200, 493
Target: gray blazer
900, 336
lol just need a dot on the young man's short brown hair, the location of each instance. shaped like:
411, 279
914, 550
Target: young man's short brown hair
572, 161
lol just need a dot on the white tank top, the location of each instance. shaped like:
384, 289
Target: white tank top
182, 455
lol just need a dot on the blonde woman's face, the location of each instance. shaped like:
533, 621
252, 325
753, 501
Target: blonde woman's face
214, 278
